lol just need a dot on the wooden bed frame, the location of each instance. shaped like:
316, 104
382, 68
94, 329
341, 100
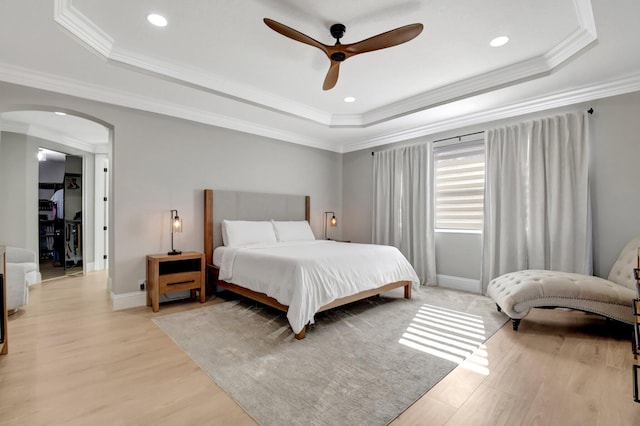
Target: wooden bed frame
212, 271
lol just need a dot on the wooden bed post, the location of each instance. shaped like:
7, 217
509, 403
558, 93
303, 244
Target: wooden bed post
307, 208
407, 291
208, 226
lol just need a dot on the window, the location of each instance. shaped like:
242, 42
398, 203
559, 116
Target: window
459, 184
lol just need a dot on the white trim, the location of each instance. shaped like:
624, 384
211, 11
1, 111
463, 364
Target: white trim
22, 76
48, 134
39, 80
458, 283
72, 20
102, 43
626, 84
525, 70
208, 82
577, 40
139, 298
14, 127
128, 300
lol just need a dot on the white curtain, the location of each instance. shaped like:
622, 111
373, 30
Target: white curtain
537, 212
403, 206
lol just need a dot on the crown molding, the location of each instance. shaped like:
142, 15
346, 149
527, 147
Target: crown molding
503, 77
27, 77
13, 127
578, 40
89, 34
216, 85
47, 134
627, 84
99, 41
78, 25
525, 70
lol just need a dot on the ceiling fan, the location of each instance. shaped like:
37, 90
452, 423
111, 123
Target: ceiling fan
341, 52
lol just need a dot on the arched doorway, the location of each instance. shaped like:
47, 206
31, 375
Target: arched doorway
82, 227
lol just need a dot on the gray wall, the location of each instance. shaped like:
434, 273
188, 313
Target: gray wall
615, 150
14, 151
160, 163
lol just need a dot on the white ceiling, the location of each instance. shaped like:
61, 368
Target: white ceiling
218, 63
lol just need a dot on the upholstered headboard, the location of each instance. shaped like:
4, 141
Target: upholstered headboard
237, 205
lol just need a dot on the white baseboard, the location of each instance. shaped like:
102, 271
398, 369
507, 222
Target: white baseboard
457, 283
139, 298
128, 300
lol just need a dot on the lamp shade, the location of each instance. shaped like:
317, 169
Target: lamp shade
331, 218
176, 226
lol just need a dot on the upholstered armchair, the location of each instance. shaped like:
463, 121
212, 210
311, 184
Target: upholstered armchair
21, 271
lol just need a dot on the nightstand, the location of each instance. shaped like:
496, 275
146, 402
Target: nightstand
169, 273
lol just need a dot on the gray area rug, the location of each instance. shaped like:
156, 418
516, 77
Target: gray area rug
362, 364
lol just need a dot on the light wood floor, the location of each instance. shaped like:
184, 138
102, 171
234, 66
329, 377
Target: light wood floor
73, 361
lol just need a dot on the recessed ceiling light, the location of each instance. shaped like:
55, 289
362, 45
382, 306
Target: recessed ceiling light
157, 20
499, 41
60, 113
349, 99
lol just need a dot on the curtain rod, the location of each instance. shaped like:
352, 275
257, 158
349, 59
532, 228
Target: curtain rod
452, 137
590, 111
458, 137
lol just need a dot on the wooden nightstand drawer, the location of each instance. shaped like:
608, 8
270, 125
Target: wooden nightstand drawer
179, 281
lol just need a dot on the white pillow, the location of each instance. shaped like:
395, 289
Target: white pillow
241, 233
298, 230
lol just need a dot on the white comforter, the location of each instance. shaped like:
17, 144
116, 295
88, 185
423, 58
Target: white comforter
308, 275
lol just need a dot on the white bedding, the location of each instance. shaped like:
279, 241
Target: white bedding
307, 275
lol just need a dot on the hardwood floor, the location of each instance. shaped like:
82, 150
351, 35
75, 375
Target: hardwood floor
74, 361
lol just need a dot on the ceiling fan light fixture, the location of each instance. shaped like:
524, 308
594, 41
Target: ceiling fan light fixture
157, 20
499, 41
349, 99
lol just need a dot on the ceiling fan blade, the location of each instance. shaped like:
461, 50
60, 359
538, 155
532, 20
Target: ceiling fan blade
384, 40
294, 34
332, 76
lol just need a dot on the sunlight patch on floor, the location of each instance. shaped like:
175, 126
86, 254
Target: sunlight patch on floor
452, 335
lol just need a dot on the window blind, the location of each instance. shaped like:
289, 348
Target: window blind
459, 182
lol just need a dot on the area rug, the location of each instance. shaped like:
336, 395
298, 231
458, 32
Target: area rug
362, 364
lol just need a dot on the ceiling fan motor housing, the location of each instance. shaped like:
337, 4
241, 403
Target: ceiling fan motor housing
337, 31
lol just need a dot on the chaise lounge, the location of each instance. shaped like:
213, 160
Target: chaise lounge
517, 292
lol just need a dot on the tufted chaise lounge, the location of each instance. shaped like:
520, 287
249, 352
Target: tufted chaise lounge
516, 293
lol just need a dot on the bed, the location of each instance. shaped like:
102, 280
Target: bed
290, 270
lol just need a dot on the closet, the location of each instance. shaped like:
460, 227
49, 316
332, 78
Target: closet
60, 215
